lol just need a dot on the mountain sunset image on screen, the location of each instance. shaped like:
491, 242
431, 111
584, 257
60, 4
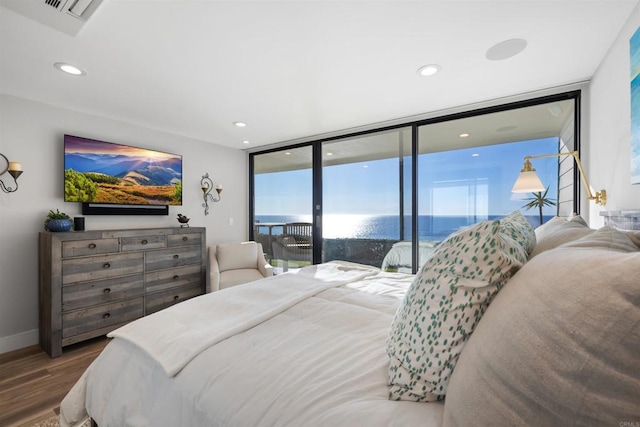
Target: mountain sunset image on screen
105, 172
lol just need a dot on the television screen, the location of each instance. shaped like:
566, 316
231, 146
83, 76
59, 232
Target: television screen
104, 172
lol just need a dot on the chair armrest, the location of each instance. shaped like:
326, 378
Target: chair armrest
263, 266
214, 270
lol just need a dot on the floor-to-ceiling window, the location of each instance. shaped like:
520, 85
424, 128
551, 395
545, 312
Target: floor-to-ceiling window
366, 196
282, 221
387, 197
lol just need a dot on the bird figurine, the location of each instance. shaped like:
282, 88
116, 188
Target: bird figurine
183, 220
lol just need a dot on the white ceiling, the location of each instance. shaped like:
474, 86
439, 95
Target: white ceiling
293, 69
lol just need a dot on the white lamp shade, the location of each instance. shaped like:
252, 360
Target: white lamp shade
528, 182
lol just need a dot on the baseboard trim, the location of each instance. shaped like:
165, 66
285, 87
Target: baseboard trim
17, 341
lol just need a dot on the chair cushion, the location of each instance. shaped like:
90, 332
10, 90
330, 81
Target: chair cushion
233, 256
559, 344
236, 277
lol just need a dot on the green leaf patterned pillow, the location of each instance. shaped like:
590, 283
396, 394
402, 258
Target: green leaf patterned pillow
443, 305
516, 226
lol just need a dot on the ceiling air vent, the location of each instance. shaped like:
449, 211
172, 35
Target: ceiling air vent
53, 3
67, 16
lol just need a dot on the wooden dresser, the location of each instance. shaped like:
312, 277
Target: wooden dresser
92, 282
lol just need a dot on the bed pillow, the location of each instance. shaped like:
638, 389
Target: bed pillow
442, 307
516, 226
558, 231
559, 345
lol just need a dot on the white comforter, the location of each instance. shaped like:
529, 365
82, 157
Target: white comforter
311, 354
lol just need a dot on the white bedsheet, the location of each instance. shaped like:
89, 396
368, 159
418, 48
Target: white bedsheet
320, 362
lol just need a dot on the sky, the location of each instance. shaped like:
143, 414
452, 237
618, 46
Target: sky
459, 182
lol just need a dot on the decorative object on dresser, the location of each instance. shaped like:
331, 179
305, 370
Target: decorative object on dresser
14, 169
206, 185
183, 220
57, 221
93, 282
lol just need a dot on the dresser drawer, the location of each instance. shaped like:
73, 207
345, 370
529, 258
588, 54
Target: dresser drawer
90, 247
174, 257
100, 316
164, 299
101, 267
138, 243
175, 277
184, 239
86, 294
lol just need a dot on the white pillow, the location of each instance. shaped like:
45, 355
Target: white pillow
442, 307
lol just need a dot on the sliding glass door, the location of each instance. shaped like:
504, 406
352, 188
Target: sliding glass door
282, 220
387, 197
366, 196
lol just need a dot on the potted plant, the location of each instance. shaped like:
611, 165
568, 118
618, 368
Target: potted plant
57, 221
539, 200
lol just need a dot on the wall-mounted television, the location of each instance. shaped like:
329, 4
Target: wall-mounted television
107, 174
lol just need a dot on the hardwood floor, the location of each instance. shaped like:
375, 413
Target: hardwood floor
32, 385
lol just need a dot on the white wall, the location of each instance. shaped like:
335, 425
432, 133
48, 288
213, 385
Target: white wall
606, 147
32, 133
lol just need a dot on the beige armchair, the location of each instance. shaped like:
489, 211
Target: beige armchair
232, 264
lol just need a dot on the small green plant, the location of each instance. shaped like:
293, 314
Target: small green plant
54, 215
57, 215
539, 200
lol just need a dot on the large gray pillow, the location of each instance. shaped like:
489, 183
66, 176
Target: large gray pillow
559, 345
558, 231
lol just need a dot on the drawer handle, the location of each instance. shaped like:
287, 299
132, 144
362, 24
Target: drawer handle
106, 290
92, 245
106, 315
106, 265
185, 238
176, 277
176, 257
144, 242
175, 297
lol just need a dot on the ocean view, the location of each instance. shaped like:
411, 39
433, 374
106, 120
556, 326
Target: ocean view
384, 226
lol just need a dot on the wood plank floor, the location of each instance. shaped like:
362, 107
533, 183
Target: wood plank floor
32, 385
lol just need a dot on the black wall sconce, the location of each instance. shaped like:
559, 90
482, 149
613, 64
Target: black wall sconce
207, 185
14, 169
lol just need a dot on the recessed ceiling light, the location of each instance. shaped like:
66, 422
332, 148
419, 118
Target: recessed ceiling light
429, 70
69, 69
240, 124
555, 110
475, 155
245, 142
365, 166
287, 153
329, 154
463, 135
506, 49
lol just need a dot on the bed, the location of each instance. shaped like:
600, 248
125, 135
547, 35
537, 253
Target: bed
399, 258
330, 345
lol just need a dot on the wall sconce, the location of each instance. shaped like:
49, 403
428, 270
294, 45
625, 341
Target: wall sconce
207, 185
529, 182
14, 169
